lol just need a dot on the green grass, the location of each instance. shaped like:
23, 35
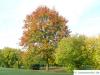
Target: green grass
6, 71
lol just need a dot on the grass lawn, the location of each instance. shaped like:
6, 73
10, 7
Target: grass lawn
6, 71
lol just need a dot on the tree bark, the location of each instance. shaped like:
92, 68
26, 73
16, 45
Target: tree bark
47, 65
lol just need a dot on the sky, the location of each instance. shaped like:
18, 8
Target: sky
83, 17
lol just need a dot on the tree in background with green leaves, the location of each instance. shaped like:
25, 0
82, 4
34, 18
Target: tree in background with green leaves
10, 58
69, 52
95, 52
78, 52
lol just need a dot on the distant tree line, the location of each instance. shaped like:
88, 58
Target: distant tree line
73, 52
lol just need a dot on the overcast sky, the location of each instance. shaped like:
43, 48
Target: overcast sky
83, 16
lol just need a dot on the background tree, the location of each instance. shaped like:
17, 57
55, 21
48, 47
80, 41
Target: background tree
42, 30
96, 52
70, 52
1, 58
11, 57
79, 52
90, 49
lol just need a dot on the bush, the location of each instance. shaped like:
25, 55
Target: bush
35, 66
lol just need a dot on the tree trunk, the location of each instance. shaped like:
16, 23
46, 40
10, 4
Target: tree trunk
47, 66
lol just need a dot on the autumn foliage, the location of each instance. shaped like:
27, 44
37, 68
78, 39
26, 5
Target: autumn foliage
43, 20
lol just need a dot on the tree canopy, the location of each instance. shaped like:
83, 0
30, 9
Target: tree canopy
42, 30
